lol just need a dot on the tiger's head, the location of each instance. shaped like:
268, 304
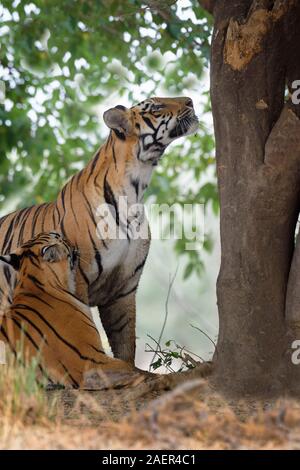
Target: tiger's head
152, 124
47, 259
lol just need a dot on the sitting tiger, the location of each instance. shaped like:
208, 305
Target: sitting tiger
111, 261
47, 317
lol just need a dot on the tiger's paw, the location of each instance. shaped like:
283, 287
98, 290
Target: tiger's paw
98, 379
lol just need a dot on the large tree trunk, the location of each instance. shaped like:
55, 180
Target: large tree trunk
255, 57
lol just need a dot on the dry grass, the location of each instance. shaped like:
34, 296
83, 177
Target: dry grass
192, 416
22, 400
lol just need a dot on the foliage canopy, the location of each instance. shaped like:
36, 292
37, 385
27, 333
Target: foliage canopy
61, 60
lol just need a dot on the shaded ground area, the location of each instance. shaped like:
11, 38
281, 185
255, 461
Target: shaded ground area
165, 413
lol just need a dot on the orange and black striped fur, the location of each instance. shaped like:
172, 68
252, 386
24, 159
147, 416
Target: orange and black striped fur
110, 267
47, 319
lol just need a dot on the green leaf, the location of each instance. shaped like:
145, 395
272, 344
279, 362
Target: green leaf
188, 270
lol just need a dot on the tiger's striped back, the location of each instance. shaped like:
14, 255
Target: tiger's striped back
47, 317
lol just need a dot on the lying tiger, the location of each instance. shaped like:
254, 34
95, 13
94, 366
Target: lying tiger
110, 266
48, 319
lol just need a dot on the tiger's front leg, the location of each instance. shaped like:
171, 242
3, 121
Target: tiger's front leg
119, 322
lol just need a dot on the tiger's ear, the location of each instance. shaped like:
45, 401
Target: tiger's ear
51, 253
13, 260
118, 119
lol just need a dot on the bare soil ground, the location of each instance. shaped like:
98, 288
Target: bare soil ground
165, 413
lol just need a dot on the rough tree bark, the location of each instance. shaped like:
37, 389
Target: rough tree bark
255, 58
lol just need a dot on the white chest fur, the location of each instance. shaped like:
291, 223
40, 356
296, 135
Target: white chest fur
137, 181
114, 255
123, 234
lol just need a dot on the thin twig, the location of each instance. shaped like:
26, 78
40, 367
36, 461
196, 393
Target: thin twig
185, 350
171, 282
206, 335
158, 353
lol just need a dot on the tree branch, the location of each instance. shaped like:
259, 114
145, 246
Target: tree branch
164, 11
208, 5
